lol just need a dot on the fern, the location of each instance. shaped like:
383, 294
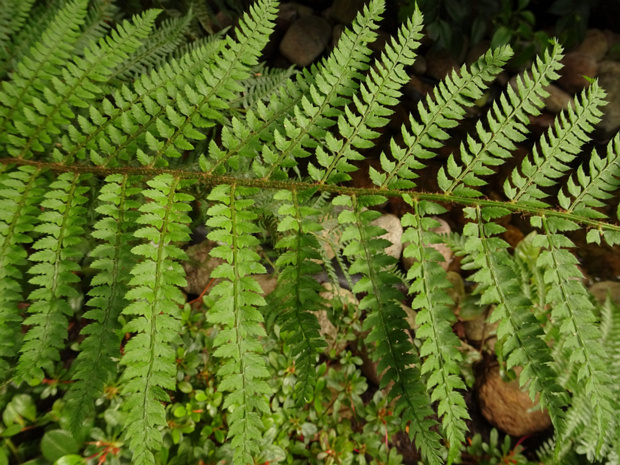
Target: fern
112, 134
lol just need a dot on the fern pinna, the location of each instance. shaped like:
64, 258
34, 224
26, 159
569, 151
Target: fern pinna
109, 136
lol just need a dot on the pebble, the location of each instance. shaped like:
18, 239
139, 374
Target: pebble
576, 66
306, 39
595, 44
394, 234
609, 79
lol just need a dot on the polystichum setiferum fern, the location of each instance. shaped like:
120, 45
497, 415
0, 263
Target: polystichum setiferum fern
94, 160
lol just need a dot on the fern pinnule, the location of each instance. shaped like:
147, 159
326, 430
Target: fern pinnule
238, 296
439, 351
558, 147
20, 196
95, 363
61, 224
13, 15
386, 321
101, 15
507, 124
522, 336
297, 292
380, 91
154, 314
443, 108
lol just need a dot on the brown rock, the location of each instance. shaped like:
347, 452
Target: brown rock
288, 13
394, 234
439, 63
595, 44
267, 283
305, 40
344, 11
507, 407
609, 79
199, 266
576, 66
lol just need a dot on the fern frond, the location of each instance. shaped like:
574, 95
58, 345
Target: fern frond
559, 146
94, 365
298, 291
522, 335
263, 84
165, 39
13, 15
297, 118
20, 196
37, 70
149, 357
386, 322
100, 16
572, 313
244, 370
53, 276
439, 343
380, 91
77, 85
442, 110
506, 123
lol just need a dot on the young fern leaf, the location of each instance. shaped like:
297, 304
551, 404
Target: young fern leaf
22, 95
507, 123
298, 292
20, 197
380, 91
149, 356
386, 322
559, 146
76, 87
53, 276
238, 296
94, 365
435, 317
442, 110
499, 284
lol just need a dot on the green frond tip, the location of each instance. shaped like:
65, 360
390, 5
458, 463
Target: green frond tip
154, 314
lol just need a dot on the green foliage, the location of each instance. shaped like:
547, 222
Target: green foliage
116, 139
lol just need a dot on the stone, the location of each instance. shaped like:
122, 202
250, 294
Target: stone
267, 283
507, 407
477, 51
290, 12
609, 79
419, 66
595, 44
199, 267
345, 11
394, 234
576, 66
599, 291
443, 249
439, 63
557, 100
305, 40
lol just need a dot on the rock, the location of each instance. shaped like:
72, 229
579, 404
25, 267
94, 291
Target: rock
267, 283
595, 44
477, 51
345, 11
558, 100
342, 297
439, 63
336, 33
609, 79
507, 407
305, 40
199, 267
576, 66
443, 249
599, 291
391, 223
419, 66
288, 13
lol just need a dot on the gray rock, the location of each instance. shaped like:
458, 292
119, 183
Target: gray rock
609, 79
391, 223
306, 39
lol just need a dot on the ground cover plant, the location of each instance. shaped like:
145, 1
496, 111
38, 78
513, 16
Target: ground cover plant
115, 139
